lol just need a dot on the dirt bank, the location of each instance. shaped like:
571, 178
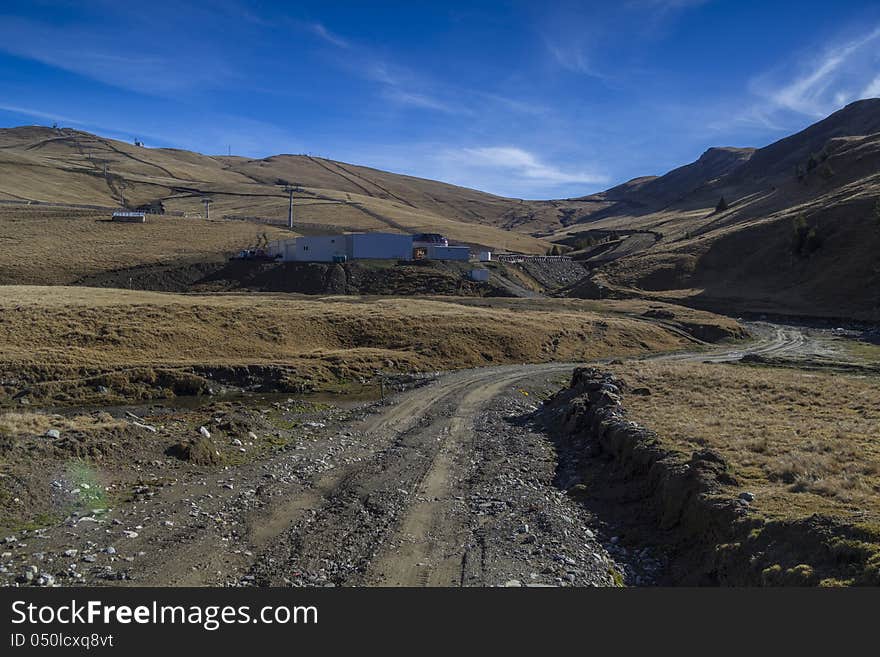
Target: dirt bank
687, 505
380, 278
101, 346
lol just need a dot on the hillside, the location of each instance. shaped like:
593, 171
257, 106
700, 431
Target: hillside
800, 233
71, 167
797, 233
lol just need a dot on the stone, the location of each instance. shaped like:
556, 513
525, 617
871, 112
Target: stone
747, 497
45, 580
53, 433
204, 431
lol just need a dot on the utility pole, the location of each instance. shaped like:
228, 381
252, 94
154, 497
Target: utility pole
207, 203
289, 189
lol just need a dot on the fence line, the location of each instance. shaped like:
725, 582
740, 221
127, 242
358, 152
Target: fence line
514, 258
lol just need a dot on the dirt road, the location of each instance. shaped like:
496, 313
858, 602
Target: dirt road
444, 485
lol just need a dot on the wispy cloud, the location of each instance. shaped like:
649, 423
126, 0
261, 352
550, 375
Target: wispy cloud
572, 56
38, 114
401, 96
524, 164
872, 90
106, 56
514, 171
215, 131
319, 30
667, 5
841, 73
579, 37
806, 86
397, 84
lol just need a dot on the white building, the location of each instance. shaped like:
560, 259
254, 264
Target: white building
318, 248
436, 252
362, 246
337, 248
130, 217
380, 246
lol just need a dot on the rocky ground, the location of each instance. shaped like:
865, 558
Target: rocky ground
454, 483
443, 485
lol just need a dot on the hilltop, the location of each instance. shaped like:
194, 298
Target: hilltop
797, 232
791, 228
71, 167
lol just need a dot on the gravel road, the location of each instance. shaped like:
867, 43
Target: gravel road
444, 485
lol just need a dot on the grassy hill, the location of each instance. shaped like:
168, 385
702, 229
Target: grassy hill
799, 235
797, 231
71, 167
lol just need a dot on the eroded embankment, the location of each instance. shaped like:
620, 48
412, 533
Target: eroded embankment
713, 537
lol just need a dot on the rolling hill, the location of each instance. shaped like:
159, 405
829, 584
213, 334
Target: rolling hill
70, 167
797, 233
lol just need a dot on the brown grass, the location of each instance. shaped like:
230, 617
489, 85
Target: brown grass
30, 424
54, 332
802, 442
54, 246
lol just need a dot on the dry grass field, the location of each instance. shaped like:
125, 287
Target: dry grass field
802, 442
56, 246
63, 334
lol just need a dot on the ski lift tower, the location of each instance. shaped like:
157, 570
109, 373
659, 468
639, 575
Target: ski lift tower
289, 189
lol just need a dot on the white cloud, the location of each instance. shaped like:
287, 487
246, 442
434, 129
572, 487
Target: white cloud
872, 90
572, 57
419, 100
841, 73
107, 56
208, 133
667, 5
322, 32
38, 114
513, 171
524, 164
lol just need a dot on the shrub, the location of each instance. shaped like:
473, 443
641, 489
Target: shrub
722, 205
199, 451
805, 239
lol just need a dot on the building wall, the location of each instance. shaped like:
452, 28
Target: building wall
380, 246
448, 253
318, 248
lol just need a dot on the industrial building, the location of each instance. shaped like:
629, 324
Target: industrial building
437, 252
129, 217
366, 246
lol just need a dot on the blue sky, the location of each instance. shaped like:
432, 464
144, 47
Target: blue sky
525, 99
